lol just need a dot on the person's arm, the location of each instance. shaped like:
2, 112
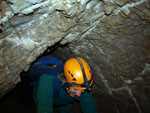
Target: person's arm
87, 103
44, 95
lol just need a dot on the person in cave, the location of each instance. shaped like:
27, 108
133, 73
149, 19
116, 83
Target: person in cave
59, 82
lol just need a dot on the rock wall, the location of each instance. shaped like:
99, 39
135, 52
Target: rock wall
112, 35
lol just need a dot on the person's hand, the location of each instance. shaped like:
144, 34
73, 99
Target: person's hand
73, 92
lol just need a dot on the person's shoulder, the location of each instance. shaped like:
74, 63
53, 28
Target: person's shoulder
47, 77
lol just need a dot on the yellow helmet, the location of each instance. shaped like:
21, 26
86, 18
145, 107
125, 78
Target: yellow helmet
78, 73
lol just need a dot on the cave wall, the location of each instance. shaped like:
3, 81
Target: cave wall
118, 47
112, 35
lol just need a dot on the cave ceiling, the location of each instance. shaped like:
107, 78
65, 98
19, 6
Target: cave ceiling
112, 35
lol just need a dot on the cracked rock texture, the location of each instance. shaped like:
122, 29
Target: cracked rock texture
112, 35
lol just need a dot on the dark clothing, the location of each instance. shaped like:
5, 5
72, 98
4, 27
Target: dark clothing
46, 65
48, 90
43, 96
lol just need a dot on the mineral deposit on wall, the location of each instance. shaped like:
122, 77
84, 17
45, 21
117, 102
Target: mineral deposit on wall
112, 35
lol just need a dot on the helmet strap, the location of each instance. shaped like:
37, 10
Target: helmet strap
83, 72
66, 86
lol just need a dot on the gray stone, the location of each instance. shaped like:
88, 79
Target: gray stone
112, 35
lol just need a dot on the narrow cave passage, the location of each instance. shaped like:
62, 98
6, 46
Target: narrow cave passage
112, 35
20, 98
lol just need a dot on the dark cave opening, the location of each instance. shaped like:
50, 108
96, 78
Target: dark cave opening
20, 98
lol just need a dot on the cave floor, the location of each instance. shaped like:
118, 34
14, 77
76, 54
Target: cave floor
14, 103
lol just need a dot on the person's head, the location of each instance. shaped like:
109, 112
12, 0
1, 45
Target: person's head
78, 75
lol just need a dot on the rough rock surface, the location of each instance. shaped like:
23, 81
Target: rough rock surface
112, 35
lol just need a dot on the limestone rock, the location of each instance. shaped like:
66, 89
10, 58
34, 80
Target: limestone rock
112, 35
